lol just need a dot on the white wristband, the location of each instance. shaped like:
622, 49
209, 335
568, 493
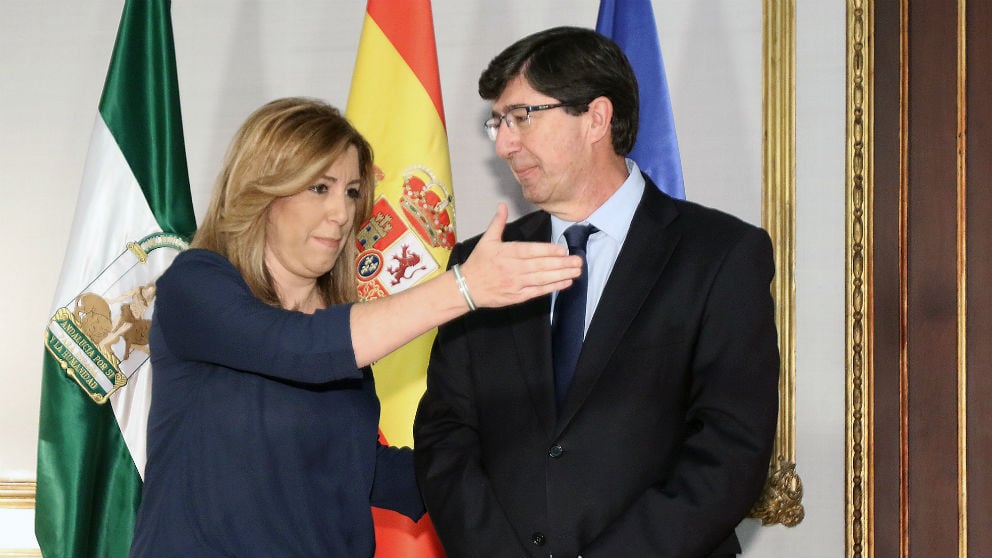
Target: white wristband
460, 279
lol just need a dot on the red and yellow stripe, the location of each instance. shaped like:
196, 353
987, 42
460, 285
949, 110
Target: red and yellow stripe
395, 102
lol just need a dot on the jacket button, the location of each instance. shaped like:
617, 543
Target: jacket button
556, 451
537, 538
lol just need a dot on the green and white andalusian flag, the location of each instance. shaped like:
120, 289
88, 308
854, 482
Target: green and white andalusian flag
133, 215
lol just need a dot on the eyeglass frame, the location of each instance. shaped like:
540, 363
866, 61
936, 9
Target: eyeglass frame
495, 122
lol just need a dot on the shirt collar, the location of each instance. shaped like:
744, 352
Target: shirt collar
616, 213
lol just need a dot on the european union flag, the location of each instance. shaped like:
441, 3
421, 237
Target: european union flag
631, 24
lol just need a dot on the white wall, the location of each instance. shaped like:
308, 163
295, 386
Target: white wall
234, 55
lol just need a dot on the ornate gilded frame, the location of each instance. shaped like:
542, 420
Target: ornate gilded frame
859, 208
781, 501
858, 211
17, 494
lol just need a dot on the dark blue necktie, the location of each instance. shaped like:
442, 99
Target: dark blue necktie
568, 327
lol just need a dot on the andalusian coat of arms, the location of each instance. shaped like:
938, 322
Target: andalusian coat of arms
100, 337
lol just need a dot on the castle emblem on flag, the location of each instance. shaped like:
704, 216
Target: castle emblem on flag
393, 248
100, 338
392, 257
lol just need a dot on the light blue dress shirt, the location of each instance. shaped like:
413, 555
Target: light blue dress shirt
613, 221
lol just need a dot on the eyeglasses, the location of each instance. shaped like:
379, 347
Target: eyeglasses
517, 117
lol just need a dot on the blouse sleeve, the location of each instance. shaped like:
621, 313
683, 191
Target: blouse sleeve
207, 313
395, 485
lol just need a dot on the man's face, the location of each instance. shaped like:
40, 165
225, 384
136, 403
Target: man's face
549, 156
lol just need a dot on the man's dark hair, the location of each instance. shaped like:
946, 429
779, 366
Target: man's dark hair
575, 66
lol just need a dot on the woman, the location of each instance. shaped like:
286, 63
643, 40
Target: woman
262, 435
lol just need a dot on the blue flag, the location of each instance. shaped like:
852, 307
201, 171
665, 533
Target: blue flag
631, 24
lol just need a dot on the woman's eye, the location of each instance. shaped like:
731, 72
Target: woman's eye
319, 188
354, 193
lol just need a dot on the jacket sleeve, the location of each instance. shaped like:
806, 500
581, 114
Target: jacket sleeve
207, 313
463, 507
723, 461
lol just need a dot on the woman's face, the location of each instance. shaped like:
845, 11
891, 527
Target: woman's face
307, 231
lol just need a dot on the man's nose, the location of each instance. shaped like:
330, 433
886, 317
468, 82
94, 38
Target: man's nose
507, 140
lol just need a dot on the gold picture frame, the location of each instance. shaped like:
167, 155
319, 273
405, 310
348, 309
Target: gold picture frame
781, 500
858, 211
17, 494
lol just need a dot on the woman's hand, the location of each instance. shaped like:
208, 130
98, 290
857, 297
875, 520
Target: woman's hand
501, 273
497, 273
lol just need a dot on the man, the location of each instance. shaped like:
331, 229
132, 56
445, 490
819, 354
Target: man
658, 440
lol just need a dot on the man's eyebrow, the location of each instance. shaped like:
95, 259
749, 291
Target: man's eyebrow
508, 108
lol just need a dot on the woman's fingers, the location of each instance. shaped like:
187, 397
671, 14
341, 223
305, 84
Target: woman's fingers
494, 232
500, 273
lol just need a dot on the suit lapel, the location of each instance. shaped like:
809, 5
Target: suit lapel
532, 332
642, 260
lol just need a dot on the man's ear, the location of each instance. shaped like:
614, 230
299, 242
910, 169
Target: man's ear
600, 118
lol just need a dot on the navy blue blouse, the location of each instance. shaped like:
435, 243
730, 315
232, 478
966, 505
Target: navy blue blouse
262, 432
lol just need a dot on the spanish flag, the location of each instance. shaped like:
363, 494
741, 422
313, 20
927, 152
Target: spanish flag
395, 102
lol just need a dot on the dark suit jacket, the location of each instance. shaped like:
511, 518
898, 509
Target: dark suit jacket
663, 443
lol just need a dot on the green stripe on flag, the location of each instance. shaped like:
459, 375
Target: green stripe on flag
88, 489
142, 80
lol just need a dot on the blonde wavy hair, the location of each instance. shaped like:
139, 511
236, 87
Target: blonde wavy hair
281, 150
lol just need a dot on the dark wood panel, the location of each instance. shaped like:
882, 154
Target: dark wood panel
886, 302
979, 211
932, 280
930, 283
